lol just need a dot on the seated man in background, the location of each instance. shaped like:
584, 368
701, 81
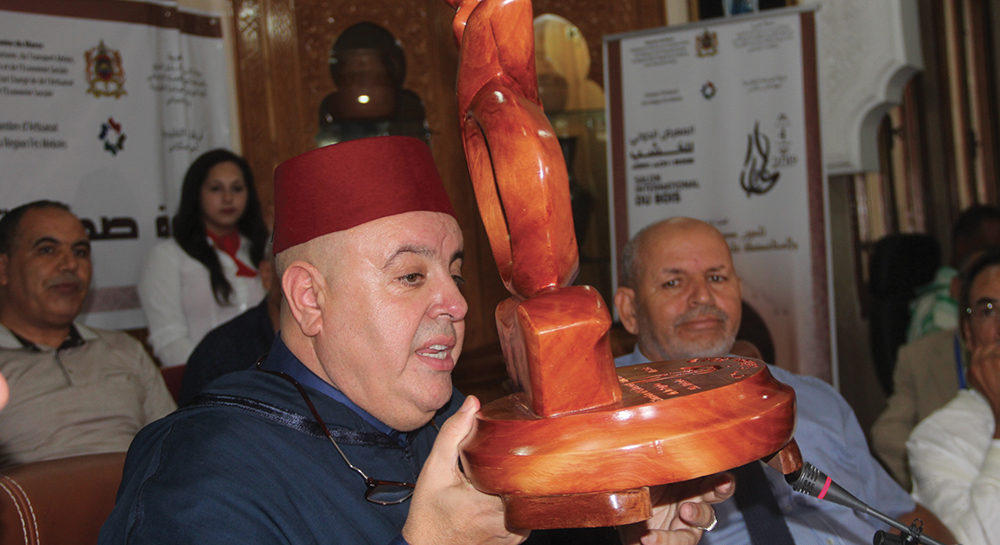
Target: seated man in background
236, 344
372, 323
929, 372
680, 296
931, 367
74, 389
955, 452
936, 305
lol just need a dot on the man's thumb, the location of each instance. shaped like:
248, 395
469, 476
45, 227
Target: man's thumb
454, 430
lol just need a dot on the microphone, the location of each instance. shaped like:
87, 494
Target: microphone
811, 481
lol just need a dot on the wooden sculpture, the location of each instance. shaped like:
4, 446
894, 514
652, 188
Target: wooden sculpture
580, 442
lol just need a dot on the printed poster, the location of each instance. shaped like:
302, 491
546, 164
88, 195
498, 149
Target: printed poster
719, 121
103, 105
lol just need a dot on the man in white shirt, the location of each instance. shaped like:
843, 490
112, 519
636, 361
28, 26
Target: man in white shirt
955, 452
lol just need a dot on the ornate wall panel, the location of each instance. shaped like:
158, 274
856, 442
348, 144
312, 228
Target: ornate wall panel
869, 50
321, 22
267, 75
254, 129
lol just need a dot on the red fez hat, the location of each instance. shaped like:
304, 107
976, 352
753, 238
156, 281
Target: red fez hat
337, 187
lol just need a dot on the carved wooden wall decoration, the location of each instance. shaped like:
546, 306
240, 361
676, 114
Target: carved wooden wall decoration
267, 74
321, 22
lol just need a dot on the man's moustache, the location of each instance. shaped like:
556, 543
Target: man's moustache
701, 312
65, 278
435, 329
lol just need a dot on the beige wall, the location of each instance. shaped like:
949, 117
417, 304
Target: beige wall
677, 12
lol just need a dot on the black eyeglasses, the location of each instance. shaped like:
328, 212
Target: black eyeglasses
984, 311
379, 491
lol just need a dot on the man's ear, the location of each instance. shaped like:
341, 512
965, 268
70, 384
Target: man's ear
4, 260
625, 303
304, 289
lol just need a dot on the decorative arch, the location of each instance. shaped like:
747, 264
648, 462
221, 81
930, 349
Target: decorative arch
868, 51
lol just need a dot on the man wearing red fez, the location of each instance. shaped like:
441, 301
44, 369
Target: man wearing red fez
348, 431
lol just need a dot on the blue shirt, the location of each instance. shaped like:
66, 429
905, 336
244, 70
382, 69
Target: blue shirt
281, 359
253, 466
829, 436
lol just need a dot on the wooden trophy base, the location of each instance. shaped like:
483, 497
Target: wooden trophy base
568, 471
578, 510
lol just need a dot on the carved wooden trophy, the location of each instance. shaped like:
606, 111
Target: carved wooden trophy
580, 442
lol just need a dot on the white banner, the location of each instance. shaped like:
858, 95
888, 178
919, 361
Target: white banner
718, 122
104, 105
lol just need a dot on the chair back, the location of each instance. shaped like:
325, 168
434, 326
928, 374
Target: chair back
62, 501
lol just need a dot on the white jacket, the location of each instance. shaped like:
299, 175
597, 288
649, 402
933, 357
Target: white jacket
177, 298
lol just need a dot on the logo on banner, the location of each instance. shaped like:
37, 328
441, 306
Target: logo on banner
112, 136
783, 144
756, 178
708, 90
105, 73
784, 157
707, 44
762, 167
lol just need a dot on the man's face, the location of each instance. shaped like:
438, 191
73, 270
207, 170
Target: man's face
393, 316
982, 327
45, 278
686, 302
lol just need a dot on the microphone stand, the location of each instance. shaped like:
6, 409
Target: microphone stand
815, 483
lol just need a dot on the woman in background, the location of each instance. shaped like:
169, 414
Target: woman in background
205, 274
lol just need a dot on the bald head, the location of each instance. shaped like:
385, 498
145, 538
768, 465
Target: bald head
680, 294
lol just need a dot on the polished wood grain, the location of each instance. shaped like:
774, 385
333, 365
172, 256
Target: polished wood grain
578, 443
514, 156
558, 350
588, 510
788, 460
676, 421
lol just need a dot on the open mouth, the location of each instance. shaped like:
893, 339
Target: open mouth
437, 356
436, 351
